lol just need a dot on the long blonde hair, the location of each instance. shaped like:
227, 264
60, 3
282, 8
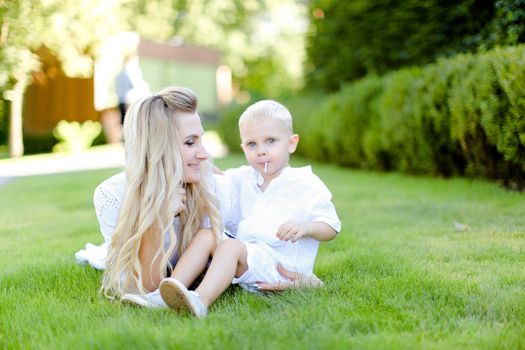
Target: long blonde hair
154, 178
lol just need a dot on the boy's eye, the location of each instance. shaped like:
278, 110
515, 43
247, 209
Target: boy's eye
251, 144
271, 140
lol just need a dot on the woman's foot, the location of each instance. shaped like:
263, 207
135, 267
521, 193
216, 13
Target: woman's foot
180, 299
149, 300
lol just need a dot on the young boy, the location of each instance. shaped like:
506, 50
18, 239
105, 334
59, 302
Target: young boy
283, 214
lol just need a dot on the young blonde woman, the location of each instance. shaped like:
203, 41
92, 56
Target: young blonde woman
163, 205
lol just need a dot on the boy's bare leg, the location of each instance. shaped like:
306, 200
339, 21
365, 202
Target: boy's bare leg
229, 260
194, 260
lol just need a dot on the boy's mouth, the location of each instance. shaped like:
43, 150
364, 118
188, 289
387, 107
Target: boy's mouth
264, 166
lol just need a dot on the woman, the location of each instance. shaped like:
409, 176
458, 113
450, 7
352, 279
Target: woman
163, 205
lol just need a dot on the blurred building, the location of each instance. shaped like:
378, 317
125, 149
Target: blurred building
53, 97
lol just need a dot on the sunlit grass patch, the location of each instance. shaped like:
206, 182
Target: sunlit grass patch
398, 276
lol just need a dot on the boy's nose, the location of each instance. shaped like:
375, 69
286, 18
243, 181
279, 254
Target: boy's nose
261, 151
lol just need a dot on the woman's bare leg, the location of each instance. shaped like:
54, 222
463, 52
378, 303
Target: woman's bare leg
229, 260
194, 260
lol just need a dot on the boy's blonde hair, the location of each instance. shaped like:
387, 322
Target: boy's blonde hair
154, 172
264, 109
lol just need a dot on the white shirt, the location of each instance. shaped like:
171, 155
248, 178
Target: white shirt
108, 199
109, 196
248, 213
296, 194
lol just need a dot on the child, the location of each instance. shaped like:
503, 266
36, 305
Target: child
283, 213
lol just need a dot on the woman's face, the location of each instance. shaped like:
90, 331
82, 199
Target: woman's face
192, 149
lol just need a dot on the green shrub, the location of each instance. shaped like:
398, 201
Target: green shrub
228, 128
38, 143
312, 117
75, 137
434, 119
509, 136
358, 104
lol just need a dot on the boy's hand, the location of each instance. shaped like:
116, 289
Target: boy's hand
292, 230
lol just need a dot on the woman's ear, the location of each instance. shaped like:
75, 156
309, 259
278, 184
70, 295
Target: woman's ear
294, 140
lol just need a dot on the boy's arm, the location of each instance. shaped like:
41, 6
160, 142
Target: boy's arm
293, 230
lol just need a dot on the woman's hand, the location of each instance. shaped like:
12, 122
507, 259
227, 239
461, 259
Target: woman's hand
296, 280
216, 170
182, 202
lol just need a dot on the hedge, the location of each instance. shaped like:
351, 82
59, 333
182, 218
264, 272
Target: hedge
459, 116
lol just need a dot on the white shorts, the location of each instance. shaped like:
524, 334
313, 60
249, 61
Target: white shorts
262, 267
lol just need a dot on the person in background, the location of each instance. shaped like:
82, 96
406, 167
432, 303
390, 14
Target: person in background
130, 84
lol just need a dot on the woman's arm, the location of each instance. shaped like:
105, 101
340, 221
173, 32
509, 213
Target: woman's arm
149, 246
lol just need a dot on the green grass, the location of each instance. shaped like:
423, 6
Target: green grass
398, 276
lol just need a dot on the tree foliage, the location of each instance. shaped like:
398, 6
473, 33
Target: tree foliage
261, 40
71, 29
508, 27
350, 39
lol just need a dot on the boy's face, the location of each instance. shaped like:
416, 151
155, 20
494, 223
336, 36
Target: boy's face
269, 142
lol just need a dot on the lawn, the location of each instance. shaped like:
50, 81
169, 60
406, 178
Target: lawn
399, 276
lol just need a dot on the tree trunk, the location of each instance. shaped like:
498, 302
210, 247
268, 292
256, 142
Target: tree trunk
16, 138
